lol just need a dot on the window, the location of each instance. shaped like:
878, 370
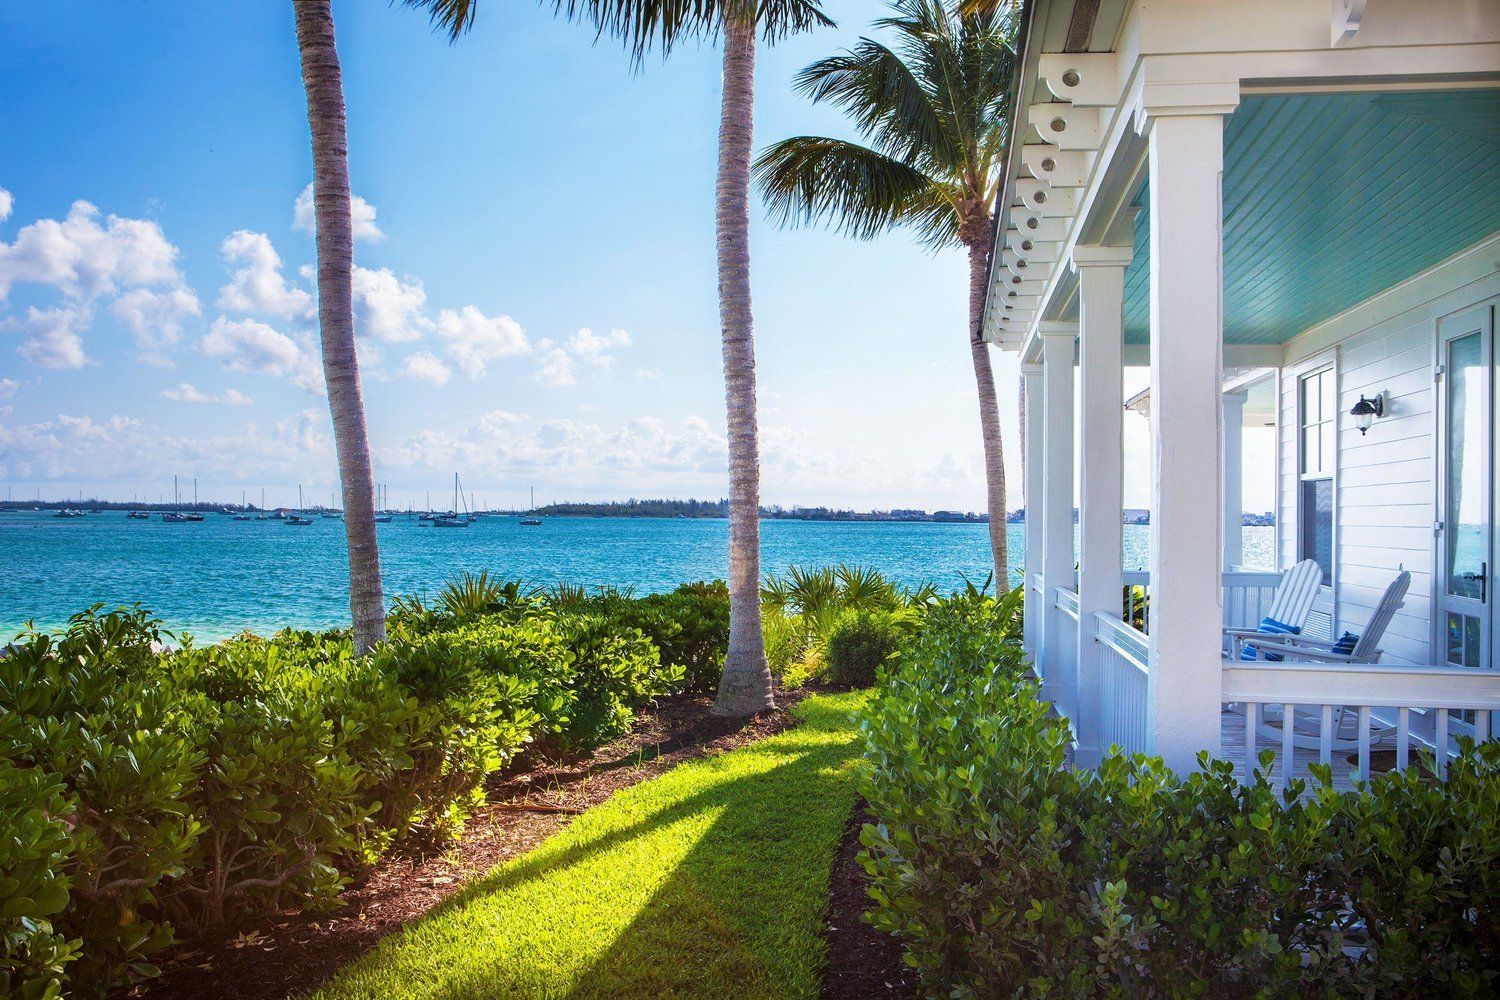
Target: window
1318, 404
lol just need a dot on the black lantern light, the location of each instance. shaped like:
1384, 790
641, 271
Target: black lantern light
1366, 410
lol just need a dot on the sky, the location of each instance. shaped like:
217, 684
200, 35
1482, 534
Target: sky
535, 289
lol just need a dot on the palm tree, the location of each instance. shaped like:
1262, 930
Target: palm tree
935, 111
644, 25
323, 80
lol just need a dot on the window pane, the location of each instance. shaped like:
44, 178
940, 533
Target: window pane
1466, 466
1328, 396
1317, 525
1330, 448
1309, 400
1312, 450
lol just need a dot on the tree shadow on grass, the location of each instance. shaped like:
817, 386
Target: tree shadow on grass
618, 913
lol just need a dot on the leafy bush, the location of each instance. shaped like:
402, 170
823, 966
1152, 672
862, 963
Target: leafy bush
862, 642
1003, 872
33, 889
689, 627
800, 612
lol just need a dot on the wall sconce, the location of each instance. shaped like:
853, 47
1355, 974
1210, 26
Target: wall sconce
1366, 410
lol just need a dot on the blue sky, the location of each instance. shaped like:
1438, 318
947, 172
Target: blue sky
537, 295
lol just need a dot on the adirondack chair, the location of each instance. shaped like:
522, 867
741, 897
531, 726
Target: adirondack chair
1366, 650
1292, 604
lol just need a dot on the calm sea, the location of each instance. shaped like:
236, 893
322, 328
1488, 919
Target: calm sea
217, 577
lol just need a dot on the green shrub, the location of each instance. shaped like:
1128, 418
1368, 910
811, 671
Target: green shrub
33, 889
1004, 873
861, 642
689, 627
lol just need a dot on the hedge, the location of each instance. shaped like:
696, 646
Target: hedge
145, 791
1002, 872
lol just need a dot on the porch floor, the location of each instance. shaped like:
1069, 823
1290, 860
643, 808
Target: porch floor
1232, 747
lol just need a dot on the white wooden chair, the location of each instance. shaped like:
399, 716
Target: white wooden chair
1292, 604
1366, 650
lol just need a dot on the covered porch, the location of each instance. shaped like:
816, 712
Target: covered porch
1302, 216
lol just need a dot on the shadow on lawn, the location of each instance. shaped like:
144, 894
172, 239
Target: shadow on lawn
741, 913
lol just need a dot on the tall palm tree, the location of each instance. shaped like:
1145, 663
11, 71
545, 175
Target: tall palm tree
323, 80
646, 25
935, 112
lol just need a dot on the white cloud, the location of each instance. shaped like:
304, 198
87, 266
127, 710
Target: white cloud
8, 387
125, 449
594, 349
52, 339
387, 307
247, 345
7, 202
426, 367
84, 257
257, 286
304, 217
186, 392
648, 374
555, 366
474, 339
156, 318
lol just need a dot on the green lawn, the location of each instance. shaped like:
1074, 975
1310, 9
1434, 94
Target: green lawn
709, 881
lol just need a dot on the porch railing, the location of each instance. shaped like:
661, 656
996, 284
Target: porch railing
1122, 683
1336, 709
1063, 653
1247, 596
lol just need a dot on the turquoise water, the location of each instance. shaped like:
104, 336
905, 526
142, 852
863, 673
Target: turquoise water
219, 576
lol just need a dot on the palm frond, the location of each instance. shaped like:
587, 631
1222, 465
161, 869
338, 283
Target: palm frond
658, 25
858, 191
453, 16
878, 91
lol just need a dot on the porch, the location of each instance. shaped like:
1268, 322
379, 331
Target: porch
1314, 229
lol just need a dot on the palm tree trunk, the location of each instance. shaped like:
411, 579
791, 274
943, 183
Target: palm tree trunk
323, 80
745, 687
989, 413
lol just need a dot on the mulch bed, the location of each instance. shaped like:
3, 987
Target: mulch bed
291, 952
862, 962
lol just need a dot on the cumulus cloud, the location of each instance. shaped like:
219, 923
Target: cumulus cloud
387, 307
9, 387
426, 367
555, 366
473, 339
156, 318
596, 349
256, 284
305, 218
648, 374
7, 202
186, 392
125, 449
52, 337
86, 255
248, 345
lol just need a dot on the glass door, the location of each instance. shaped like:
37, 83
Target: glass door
1467, 597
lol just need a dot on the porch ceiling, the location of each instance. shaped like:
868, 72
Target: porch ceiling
1330, 198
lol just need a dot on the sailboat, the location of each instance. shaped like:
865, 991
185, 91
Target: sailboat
382, 511
297, 518
194, 514
261, 514
531, 520
452, 519
244, 514
332, 513
176, 515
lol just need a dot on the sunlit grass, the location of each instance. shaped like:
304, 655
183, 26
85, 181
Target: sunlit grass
709, 881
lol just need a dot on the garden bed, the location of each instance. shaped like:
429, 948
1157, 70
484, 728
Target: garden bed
292, 952
862, 962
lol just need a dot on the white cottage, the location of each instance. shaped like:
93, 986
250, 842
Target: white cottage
1298, 198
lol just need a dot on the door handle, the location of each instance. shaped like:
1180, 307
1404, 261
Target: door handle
1481, 578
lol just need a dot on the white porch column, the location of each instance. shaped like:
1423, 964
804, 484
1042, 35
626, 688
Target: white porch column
1035, 609
1101, 292
1057, 497
1234, 478
1186, 156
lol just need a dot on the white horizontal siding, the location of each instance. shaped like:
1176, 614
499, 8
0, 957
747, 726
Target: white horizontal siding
1386, 480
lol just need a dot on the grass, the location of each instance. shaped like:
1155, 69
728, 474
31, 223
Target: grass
709, 881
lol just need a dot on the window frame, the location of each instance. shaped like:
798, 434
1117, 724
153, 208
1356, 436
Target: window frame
1327, 470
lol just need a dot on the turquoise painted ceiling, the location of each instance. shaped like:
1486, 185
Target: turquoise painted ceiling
1330, 198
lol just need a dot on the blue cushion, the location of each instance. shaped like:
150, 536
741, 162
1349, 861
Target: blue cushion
1344, 645
1269, 626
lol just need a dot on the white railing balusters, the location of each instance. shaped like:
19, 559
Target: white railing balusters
1441, 742
1403, 737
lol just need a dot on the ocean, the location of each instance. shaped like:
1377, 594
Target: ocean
215, 578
